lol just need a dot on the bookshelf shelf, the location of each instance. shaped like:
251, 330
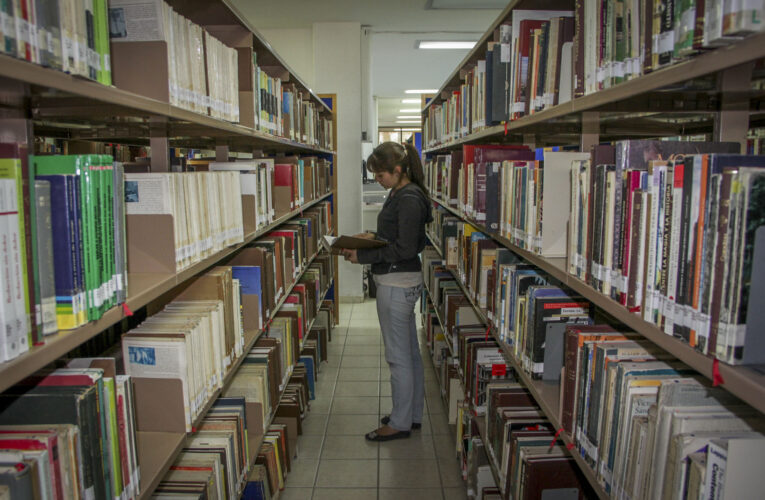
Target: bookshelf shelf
143, 288
707, 64
747, 383
157, 451
62, 99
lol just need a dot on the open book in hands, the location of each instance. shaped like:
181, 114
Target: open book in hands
335, 244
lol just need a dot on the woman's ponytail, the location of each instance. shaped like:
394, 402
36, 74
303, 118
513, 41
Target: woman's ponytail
414, 167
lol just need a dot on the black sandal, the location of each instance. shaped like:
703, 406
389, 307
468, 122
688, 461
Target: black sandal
374, 436
415, 425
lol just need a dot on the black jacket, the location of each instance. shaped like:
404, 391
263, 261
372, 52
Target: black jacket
401, 223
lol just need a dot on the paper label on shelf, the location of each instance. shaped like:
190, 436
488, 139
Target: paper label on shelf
82, 52
618, 69
518, 107
9, 26
668, 311
667, 42
23, 29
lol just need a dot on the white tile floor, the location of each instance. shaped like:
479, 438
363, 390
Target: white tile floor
335, 461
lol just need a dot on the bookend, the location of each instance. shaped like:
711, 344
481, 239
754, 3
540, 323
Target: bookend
152, 78
248, 214
151, 244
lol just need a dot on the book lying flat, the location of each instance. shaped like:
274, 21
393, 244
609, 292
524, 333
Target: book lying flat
335, 244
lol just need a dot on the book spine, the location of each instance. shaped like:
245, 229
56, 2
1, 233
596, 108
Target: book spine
681, 299
671, 312
45, 259
714, 479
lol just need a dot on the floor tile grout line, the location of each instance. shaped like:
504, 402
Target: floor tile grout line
331, 401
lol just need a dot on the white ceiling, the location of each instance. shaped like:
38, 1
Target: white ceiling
395, 26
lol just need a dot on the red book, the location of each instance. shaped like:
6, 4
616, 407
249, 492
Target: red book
521, 80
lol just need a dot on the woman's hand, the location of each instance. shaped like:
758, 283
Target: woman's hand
350, 256
366, 236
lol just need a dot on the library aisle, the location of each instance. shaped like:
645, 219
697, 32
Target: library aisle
353, 393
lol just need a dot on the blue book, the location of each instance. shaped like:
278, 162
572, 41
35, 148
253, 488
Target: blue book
250, 282
65, 249
255, 490
309, 367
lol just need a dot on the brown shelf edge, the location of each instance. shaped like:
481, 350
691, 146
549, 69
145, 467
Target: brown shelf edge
59, 344
30, 73
747, 50
177, 440
741, 381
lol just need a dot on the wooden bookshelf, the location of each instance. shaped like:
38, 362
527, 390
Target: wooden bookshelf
143, 288
546, 394
156, 460
62, 98
747, 383
633, 95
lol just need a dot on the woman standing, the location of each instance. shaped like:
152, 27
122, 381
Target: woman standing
398, 276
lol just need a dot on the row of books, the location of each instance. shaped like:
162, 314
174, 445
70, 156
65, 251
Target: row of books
195, 339
64, 257
65, 227
610, 381
541, 58
201, 228
71, 433
649, 427
67, 35
278, 185
195, 59
531, 465
669, 229
284, 110
644, 225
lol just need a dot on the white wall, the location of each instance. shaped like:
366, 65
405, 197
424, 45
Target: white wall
337, 58
295, 46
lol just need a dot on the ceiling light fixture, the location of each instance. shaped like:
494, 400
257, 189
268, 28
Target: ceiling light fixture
453, 44
419, 91
410, 101
406, 117
409, 110
407, 121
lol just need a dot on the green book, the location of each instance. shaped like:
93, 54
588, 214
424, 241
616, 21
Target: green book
101, 27
87, 168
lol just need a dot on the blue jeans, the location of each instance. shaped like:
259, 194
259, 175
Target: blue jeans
395, 309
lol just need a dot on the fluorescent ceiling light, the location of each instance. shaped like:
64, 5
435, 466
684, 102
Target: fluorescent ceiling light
407, 121
409, 110
410, 101
425, 91
406, 117
453, 44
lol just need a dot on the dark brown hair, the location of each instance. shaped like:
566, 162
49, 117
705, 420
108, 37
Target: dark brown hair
387, 155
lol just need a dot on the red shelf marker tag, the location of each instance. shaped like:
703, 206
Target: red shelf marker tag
488, 329
498, 370
126, 309
717, 378
555, 438
505, 124
570, 446
635, 309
